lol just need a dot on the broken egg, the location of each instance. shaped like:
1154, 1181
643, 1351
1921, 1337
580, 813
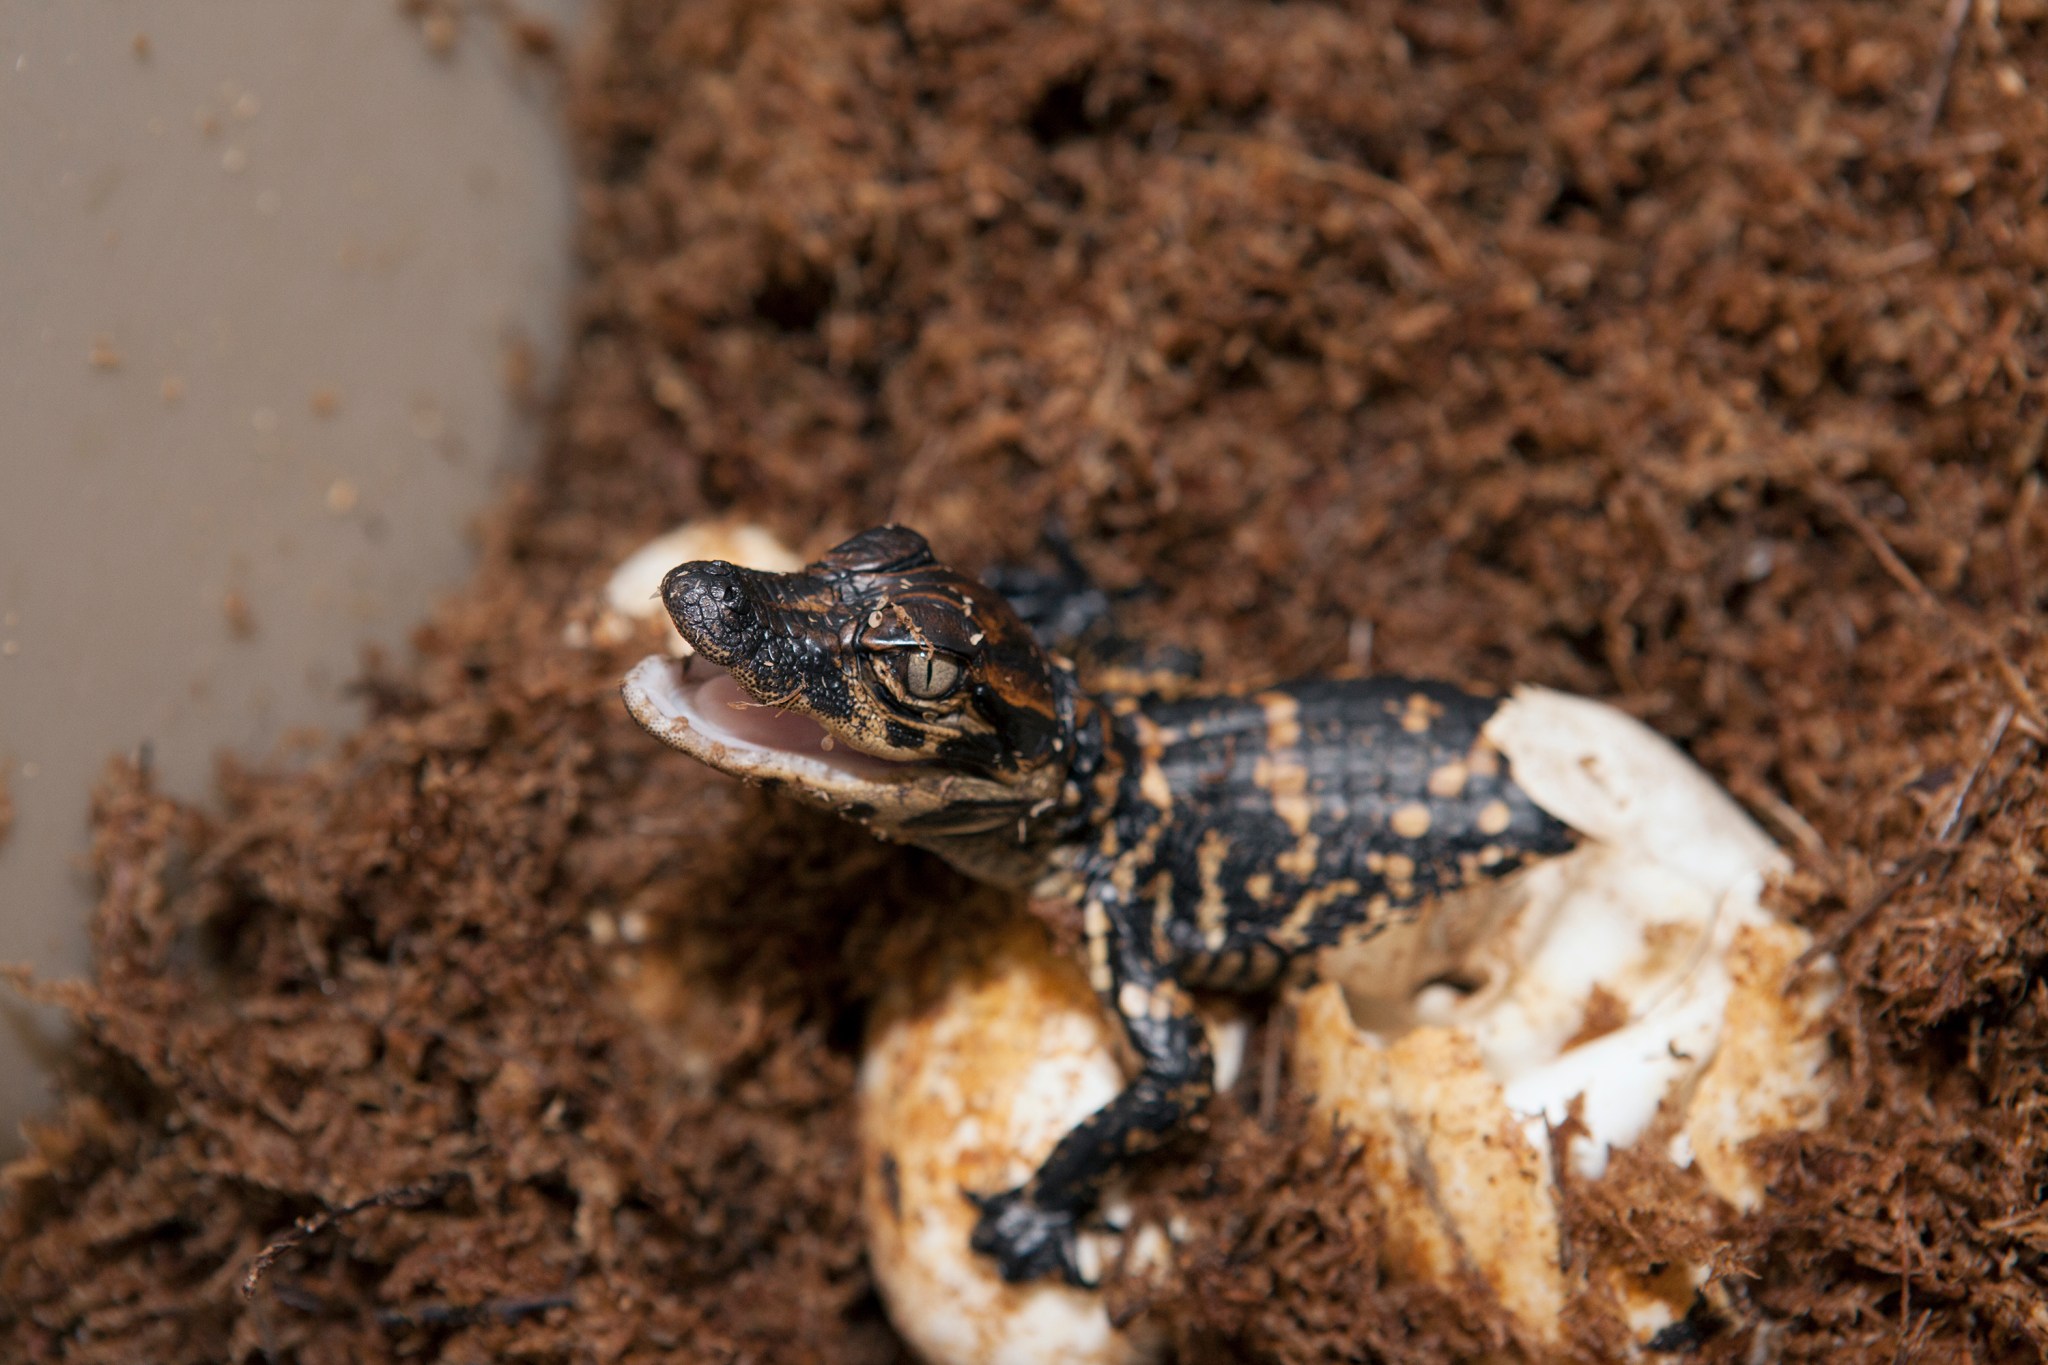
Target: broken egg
978, 1060
1632, 991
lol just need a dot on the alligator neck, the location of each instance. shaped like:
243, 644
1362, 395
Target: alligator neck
1015, 839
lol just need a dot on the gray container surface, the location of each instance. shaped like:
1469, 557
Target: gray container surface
260, 266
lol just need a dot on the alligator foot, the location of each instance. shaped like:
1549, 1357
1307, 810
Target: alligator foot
1026, 1240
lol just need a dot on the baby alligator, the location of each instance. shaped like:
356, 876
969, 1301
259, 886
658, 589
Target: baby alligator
1208, 841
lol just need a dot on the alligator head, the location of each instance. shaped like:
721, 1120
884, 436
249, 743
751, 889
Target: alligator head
879, 683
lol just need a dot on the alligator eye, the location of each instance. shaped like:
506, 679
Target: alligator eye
926, 676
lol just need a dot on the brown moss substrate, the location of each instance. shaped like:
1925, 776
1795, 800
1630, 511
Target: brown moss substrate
1679, 354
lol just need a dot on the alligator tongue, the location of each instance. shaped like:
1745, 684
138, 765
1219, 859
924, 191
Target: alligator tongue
735, 716
696, 706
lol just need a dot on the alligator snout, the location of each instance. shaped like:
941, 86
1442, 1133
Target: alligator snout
716, 608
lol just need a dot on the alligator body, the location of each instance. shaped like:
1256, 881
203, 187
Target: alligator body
1209, 841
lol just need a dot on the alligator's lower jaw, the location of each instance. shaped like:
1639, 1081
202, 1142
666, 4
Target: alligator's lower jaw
696, 707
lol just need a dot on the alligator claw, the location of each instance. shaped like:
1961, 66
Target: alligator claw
1026, 1240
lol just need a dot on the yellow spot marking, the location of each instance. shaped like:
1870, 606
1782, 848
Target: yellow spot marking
1151, 777
1152, 782
1411, 821
1133, 1001
1210, 912
1123, 873
1302, 917
1282, 777
1483, 759
1401, 876
1490, 855
1162, 916
1095, 922
1294, 811
1259, 886
1419, 714
1283, 719
1449, 780
1279, 772
1493, 817
1299, 862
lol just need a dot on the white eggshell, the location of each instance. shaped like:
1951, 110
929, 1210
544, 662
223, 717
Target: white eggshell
1617, 781
973, 1070
1458, 1177
978, 1060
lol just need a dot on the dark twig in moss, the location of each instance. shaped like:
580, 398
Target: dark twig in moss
1941, 846
1278, 1024
1834, 938
1991, 743
403, 1197
466, 1314
1842, 505
1944, 68
1902, 573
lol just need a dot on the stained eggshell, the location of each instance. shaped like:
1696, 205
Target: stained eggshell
1768, 1074
973, 1069
1460, 1183
1636, 984
977, 1061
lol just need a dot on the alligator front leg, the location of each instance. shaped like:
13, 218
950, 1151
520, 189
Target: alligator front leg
1030, 1230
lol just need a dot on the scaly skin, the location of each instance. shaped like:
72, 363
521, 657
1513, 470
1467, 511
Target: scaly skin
1209, 840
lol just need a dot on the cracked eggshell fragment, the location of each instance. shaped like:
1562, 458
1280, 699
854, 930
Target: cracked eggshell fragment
1620, 783
1766, 1076
977, 1061
1637, 982
633, 593
1460, 1181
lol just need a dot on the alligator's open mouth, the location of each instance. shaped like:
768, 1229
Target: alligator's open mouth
696, 706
